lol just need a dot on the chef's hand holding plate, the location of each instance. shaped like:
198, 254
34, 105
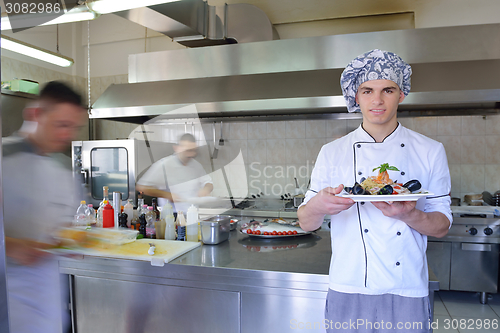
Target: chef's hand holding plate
326, 202
396, 209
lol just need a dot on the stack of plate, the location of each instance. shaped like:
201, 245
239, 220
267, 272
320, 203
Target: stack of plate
492, 199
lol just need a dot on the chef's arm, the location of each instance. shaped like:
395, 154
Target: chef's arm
206, 190
154, 192
24, 251
434, 224
325, 202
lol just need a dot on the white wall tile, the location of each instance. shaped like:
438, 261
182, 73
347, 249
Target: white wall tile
492, 181
256, 151
238, 131
425, 125
315, 129
452, 147
493, 124
472, 178
473, 149
449, 126
473, 125
295, 129
492, 154
257, 130
275, 152
335, 128
276, 130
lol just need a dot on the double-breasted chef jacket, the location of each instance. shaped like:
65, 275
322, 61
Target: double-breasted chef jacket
371, 253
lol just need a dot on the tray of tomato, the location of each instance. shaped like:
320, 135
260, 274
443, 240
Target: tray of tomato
274, 233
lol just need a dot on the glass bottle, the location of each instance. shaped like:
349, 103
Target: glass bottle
154, 204
105, 197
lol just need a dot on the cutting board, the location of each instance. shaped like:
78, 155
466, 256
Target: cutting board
165, 250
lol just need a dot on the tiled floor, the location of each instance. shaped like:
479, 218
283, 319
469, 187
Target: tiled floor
456, 311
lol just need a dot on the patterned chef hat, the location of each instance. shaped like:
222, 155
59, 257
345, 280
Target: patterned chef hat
373, 65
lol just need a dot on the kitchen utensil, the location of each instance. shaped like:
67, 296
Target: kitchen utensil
221, 140
297, 188
216, 150
215, 230
297, 200
455, 201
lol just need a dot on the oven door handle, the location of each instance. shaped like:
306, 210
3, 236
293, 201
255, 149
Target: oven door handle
85, 176
476, 247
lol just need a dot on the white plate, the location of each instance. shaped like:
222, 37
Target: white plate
392, 197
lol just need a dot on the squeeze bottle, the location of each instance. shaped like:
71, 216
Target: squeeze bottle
167, 214
129, 210
108, 215
192, 224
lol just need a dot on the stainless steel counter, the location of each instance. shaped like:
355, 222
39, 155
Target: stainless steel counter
241, 285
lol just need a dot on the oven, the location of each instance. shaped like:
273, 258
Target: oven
117, 164
467, 258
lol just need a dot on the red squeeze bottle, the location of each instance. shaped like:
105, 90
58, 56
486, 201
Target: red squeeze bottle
108, 216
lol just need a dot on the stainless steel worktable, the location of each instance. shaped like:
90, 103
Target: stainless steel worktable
241, 285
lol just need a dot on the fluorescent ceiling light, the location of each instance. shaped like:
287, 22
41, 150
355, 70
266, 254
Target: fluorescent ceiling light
111, 6
81, 13
17, 46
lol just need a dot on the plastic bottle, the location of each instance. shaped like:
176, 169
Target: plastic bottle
192, 224
81, 214
150, 223
91, 217
129, 210
108, 215
167, 214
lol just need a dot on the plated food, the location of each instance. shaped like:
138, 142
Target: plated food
383, 188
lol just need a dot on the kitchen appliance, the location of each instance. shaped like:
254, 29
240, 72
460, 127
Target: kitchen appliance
467, 258
117, 164
215, 230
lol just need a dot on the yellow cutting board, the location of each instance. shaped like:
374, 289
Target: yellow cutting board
165, 250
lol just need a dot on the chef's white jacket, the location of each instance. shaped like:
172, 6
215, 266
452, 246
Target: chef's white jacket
371, 253
169, 174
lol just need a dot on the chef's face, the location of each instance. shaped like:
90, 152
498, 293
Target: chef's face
186, 150
58, 125
378, 101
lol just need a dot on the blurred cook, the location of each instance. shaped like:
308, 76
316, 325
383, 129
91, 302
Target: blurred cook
39, 196
378, 269
178, 178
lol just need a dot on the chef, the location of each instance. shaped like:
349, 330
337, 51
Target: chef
178, 178
378, 278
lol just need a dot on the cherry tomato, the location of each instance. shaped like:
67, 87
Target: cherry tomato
275, 232
256, 232
290, 232
280, 233
295, 232
249, 231
266, 233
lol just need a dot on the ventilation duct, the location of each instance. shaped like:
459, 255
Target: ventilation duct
194, 23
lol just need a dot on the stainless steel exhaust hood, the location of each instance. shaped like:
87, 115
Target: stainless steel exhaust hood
456, 71
194, 23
